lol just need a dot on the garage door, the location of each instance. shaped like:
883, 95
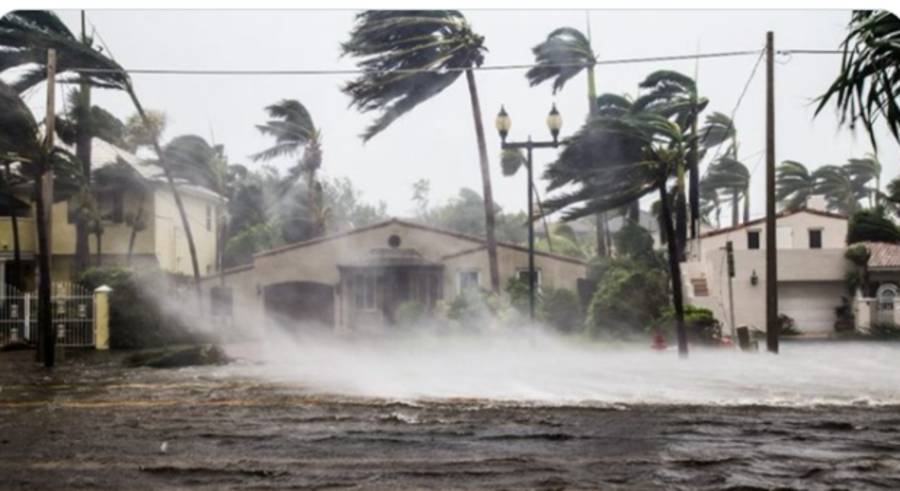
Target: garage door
811, 304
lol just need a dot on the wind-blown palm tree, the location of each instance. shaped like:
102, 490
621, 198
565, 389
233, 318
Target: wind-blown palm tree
25, 37
794, 184
293, 129
21, 141
842, 192
410, 56
731, 179
674, 96
564, 54
864, 171
612, 161
710, 206
867, 86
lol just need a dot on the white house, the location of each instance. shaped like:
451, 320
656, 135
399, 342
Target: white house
812, 271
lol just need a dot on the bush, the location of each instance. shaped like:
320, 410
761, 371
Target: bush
629, 298
787, 326
872, 225
562, 309
136, 320
700, 325
472, 308
409, 313
517, 290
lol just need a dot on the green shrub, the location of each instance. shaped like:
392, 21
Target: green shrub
136, 320
517, 290
700, 325
787, 326
629, 298
409, 313
871, 225
562, 309
472, 308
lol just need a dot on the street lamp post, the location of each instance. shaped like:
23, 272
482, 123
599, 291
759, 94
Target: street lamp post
503, 124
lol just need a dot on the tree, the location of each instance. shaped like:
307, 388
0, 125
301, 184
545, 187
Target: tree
710, 206
292, 127
864, 170
842, 192
15, 207
794, 184
868, 83
142, 132
674, 96
564, 54
731, 179
408, 57
615, 160
871, 226
21, 141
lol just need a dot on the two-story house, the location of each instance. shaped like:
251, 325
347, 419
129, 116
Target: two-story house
140, 222
812, 271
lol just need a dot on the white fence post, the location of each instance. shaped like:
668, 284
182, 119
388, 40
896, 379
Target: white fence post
101, 317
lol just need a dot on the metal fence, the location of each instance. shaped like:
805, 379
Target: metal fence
72, 309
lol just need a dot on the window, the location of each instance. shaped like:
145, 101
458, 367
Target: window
468, 280
111, 206
364, 286
815, 239
208, 217
522, 275
753, 239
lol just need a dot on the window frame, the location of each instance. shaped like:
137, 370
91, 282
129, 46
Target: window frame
810, 237
758, 234
522, 275
459, 279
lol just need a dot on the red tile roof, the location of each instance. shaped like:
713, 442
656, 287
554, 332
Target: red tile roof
883, 255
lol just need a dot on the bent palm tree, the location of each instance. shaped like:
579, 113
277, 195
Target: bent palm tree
731, 178
409, 57
613, 161
560, 57
842, 192
864, 171
26, 35
794, 184
293, 129
868, 84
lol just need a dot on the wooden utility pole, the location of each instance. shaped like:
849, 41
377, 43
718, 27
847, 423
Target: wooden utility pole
46, 335
771, 247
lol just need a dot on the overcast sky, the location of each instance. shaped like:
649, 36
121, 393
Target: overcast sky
436, 141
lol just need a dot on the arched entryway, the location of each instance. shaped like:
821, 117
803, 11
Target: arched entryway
887, 297
300, 305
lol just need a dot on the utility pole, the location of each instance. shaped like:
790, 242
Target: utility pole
532, 273
729, 253
771, 250
46, 335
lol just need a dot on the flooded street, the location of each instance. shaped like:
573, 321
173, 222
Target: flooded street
93, 424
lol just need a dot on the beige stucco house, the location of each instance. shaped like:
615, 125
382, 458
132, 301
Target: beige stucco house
357, 279
812, 271
160, 241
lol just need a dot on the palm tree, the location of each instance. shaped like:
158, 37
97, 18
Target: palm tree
795, 184
842, 192
21, 141
864, 171
564, 54
293, 129
869, 80
614, 160
25, 37
408, 57
710, 206
731, 179
674, 96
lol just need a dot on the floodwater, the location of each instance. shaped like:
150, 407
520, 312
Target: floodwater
477, 413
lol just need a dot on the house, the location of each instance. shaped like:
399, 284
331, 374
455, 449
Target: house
812, 271
358, 279
878, 302
143, 197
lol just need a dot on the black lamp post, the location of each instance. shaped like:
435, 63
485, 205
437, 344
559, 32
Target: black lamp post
503, 124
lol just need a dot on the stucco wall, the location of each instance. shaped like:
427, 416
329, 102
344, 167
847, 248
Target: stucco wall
170, 242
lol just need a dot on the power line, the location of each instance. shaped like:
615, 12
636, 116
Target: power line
616, 61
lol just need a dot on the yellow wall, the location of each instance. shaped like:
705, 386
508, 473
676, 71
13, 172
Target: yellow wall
27, 242
170, 242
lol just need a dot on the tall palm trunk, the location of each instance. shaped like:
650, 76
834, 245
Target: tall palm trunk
486, 184
694, 169
17, 246
675, 271
175, 193
134, 231
602, 221
735, 206
747, 204
681, 219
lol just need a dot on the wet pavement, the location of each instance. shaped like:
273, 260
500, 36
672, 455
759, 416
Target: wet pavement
91, 424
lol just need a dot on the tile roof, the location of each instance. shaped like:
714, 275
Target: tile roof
883, 255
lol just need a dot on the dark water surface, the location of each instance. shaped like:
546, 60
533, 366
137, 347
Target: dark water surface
91, 424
